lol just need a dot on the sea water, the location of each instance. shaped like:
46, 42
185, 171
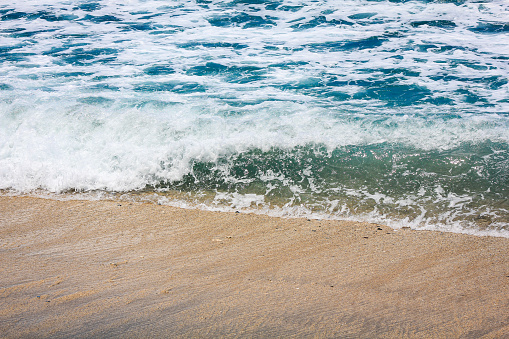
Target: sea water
394, 112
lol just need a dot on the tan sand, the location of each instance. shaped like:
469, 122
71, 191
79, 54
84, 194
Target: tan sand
108, 269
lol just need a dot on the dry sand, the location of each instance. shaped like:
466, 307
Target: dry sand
109, 269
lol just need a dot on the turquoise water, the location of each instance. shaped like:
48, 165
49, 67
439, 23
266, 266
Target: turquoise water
385, 111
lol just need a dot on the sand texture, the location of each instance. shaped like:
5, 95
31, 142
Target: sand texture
87, 269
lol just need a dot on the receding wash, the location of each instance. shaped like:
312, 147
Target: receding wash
394, 112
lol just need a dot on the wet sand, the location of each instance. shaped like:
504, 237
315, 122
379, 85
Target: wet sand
86, 269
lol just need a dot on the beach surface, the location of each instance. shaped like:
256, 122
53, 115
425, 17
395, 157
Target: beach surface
86, 269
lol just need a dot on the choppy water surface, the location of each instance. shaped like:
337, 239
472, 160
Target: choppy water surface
387, 111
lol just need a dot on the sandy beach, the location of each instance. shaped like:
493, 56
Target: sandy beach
86, 269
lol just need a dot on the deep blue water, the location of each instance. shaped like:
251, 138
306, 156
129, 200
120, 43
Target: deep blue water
386, 111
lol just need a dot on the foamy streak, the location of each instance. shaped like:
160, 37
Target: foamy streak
136, 35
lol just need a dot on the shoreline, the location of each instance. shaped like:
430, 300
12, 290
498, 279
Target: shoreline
79, 268
174, 200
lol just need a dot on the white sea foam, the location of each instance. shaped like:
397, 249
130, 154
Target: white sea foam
57, 147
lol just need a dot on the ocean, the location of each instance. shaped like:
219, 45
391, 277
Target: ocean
393, 112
